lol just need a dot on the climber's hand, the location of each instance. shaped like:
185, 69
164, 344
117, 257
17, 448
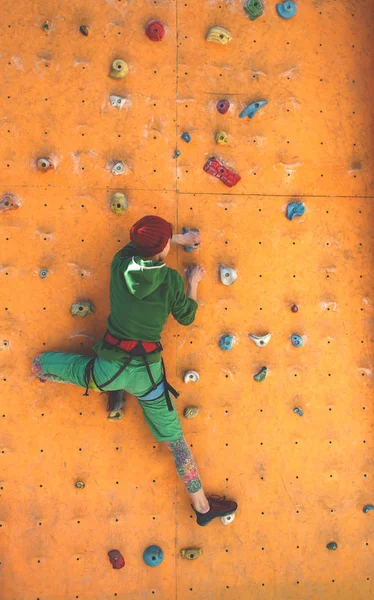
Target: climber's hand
191, 239
195, 273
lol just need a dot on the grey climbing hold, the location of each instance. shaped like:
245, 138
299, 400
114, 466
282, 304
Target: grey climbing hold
287, 10
44, 164
260, 340
296, 340
295, 209
228, 275
188, 248
298, 411
186, 137
117, 101
332, 546
118, 168
82, 309
226, 342
191, 376
260, 376
43, 273
254, 9
176, 153
368, 508
252, 108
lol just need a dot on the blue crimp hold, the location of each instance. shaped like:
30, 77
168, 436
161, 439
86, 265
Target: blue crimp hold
226, 342
186, 137
298, 411
296, 340
153, 556
188, 248
368, 508
287, 10
251, 109
295, 209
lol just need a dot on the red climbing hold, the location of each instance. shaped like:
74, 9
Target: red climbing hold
223, 106
155, 30
214, 167
116, 559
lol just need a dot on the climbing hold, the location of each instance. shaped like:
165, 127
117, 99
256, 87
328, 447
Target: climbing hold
117, 101
296, 340
186, 137
294, 308
119, 203
43, 273
298, 411
287, 10
83, 29
228, 519
254, 9
228, 275
9, 202
223, 106
80, 485
368, 508
118, 168
226, 342
116, 559
191, 376
176, 153
82, 309
260, 376
191, 553
155, 30
219, 35
214, 167
260, 340
222, 138
115, 415
190, 412
295, 209
332, 546
188, 248
46, 26
119, 69
44, 164
252, 108
153, 556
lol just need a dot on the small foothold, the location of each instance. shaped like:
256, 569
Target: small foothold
222, 138
191, 553
119, 203
83, 29
43, 273
214, 167
254, 9
82, 309
155, 30
116, 559
219, 35
332, 546
295, 209
153, 556
9, 202
223, 106
119, 69
46, 26
287, 10
44, 164
296, 340
80, 485
115, 415
176, 153
298, 411
228, 275
191, 376
294, 308
226, 342
118, 168
260, 376
188, 248
117, 101
368, 508
186, 137
228, 519
190, 412
252, 108
260, 340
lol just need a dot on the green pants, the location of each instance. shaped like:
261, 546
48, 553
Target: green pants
70, 368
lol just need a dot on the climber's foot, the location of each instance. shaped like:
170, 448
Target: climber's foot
219, 507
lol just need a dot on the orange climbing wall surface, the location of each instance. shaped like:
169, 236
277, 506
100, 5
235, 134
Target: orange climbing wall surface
301, 482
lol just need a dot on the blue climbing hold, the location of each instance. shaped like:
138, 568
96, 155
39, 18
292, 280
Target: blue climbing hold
251, 109
295, 209
298, 411
287, 10
187, 248
368, 508
186, 137
296, 340
226, 342
153, 556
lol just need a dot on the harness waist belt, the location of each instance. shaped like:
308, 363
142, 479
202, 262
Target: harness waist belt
128, 345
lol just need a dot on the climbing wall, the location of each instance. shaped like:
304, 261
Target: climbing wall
295, 450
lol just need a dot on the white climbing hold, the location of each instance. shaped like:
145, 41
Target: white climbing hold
117, 101
228, 519
260, 340
118, 168
228, 276
191, 376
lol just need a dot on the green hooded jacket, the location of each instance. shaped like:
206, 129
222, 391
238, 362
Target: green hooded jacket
142, 295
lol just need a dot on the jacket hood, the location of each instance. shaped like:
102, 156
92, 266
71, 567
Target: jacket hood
143, 277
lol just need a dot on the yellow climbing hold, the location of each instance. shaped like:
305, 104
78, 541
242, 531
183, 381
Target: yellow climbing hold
191, 411
222, 138
115, 415
119, 69
191, 553
218, 35
119, 203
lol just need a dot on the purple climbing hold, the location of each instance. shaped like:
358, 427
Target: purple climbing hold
223, 106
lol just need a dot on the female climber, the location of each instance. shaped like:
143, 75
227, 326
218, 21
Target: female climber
143, 292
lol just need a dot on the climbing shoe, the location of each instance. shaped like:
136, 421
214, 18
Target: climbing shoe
219, 507
116, 400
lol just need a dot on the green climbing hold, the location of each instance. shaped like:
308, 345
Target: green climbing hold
254, 9
332, 546
260, 376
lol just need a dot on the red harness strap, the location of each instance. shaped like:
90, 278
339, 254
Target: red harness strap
128, 345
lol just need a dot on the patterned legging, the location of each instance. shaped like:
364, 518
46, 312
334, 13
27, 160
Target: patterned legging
185, 464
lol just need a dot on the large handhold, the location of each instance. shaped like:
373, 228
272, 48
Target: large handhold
82, 309
119, 69
254, 9
119, 203
260, 376
117, 101
153, 556
252, 108
220, 35
44, 164
118, 168
228, 276
155, 30
190, 412
214, 167
116, 559
191, 376
222, 138
287, 10
226, 342
295, 209
260, 340
191, 553
8, 202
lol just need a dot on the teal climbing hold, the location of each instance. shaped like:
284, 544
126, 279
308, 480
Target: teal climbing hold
260, 376
298, 411
186, 137
252, 108
296, 340
187, 248
287, 10
332, 546
254, 9
295, 209
226, 342
153, 556
368, 508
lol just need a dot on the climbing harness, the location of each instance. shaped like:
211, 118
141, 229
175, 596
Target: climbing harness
136, 349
